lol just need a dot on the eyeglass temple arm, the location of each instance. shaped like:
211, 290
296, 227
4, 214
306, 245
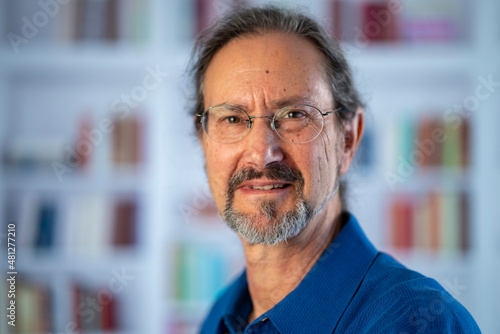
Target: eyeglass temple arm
331, 112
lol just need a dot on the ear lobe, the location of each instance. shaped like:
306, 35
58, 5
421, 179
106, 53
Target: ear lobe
353, 134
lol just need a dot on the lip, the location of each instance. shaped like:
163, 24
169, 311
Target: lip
248, 187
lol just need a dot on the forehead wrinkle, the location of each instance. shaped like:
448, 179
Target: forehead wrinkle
249, 87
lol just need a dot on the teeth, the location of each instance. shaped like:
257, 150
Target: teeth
269, 187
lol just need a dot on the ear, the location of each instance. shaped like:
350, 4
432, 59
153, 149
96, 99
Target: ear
199, 133
353, 133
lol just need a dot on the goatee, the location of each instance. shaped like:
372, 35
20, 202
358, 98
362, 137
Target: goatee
270, 225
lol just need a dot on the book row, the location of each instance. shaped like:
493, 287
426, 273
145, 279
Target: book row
433, 221
63, 155
365, 21
82, 225
430, 142
361, 21
77, 21
90, 310
202, 271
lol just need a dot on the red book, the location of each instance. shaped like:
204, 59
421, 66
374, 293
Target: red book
464, 143
336, 10
402, 223
76, 311
125, 221
407, 215
108, 315
379, 24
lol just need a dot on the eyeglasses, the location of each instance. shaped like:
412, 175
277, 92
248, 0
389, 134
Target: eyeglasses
297, 124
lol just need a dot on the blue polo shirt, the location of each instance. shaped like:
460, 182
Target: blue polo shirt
352, 288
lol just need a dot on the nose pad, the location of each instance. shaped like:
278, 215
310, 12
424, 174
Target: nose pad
251, 121
274, 125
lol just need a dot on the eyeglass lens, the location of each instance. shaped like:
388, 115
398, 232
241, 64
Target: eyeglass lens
296, 124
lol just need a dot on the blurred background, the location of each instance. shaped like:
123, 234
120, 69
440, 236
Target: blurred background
102, 179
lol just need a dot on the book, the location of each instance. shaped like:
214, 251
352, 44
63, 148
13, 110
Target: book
125, 223
34, 308
46, 225
450, 232
127, 141
379, 23
201, 272
101, 316
464, 227
435, 222
402, 217
464, 143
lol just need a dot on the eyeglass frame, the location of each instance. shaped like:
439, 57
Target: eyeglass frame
273, 126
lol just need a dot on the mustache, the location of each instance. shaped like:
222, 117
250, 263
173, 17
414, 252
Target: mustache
279, 172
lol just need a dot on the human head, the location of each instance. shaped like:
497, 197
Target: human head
254, 20
258, 21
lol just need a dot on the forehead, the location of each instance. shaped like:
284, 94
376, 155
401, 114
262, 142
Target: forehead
266, 68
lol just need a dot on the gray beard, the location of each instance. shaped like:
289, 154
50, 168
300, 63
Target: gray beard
268, 226
274, 227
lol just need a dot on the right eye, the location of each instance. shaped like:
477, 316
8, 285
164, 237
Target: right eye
231, 119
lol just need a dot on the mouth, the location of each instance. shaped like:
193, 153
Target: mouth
261, 187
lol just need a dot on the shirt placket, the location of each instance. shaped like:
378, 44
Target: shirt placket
264, 326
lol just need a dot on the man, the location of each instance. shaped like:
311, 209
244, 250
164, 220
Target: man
279, 122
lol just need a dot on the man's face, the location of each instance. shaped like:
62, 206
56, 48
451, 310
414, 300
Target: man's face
262, 74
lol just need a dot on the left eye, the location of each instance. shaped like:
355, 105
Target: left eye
294, 114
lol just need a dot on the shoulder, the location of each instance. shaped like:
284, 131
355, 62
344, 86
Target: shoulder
394, 299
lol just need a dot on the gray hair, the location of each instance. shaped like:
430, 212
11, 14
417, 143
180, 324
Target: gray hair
258, 20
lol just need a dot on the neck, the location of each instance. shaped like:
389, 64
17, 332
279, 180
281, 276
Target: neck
274, 271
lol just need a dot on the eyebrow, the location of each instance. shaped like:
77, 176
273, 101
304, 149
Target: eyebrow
277, 104
295, 99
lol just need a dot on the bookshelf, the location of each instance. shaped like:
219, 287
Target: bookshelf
60, 85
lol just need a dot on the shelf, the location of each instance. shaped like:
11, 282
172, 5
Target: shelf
82, 59
53, 261
122, 181
415, 59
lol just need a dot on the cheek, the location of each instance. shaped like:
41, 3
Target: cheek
323, 166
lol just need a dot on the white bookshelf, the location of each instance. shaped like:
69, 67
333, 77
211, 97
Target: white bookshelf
172, 175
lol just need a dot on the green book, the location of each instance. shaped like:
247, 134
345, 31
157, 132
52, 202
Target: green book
451, 146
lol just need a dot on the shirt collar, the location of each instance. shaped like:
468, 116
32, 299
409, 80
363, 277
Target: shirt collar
320, 299
318, 302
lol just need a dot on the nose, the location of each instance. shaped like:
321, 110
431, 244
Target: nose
263, 144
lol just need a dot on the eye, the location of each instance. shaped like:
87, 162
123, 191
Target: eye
295, 114
231, 119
